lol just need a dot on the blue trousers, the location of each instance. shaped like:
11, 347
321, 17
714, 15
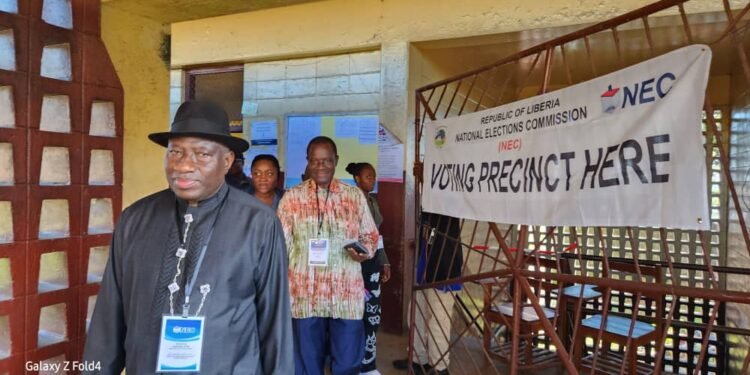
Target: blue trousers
315, 338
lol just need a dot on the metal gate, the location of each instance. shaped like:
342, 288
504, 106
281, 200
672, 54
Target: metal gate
673, 280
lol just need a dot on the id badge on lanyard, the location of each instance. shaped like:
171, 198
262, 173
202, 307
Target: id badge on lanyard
317, 252
318, 248
180, 344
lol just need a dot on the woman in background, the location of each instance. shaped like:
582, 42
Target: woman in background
265, 174
374, 271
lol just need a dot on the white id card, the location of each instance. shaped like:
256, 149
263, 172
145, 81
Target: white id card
180, 344
317, 252
380, 243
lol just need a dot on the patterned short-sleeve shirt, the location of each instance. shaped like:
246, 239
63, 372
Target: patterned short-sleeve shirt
339, 215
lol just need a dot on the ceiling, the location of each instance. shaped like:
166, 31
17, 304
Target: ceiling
667, 34
171, 11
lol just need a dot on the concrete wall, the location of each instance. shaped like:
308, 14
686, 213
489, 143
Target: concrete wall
133, 44
331, 26
339, 83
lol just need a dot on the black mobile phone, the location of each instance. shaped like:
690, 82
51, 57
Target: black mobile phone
357, 246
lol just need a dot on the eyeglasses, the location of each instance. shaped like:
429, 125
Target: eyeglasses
321, 162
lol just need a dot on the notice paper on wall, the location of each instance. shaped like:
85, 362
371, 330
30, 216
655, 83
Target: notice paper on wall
263, 140
390, 157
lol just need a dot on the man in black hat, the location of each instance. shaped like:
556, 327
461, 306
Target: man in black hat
197, 275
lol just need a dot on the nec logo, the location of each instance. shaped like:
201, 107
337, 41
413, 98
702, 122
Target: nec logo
178, 329
639, 93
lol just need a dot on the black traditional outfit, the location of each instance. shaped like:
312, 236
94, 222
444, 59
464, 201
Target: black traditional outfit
247, 315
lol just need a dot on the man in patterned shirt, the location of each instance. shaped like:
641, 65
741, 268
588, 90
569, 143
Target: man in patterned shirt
320, 217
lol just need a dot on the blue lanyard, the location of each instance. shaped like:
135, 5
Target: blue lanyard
190, 283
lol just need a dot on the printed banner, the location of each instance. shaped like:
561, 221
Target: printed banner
624, 149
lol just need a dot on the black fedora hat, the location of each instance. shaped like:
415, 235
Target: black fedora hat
201, 119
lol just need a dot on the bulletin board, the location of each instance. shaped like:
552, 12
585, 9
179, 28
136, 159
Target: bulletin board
262, 134
356, 137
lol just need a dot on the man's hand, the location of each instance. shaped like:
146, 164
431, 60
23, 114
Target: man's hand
385, 275
357, 257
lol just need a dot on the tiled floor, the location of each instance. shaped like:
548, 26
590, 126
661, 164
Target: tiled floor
391, 347
467, 359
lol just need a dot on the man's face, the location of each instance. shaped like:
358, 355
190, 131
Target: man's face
321, 163
196, 167
236, 168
